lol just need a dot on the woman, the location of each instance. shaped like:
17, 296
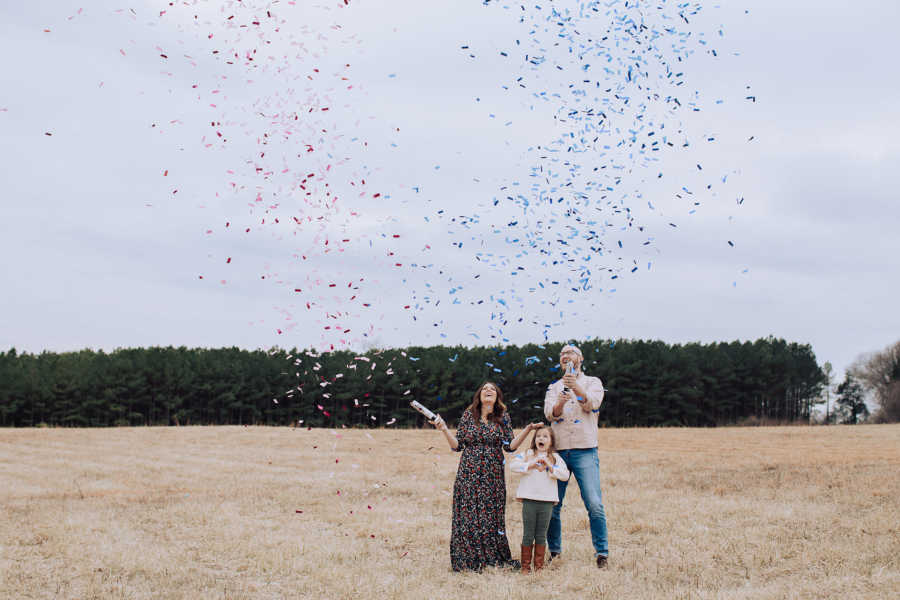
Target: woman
478, 535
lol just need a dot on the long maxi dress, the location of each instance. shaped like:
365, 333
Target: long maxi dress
478, 535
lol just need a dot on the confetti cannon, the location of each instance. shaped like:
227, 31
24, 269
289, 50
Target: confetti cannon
425, 412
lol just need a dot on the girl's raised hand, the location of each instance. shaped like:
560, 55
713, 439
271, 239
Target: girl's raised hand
535, 426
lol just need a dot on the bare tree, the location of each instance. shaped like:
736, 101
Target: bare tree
829, 381
880, 373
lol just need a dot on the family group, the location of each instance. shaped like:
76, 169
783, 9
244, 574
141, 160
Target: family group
566, 449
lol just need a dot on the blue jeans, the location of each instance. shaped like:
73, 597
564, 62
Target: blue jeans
584, 465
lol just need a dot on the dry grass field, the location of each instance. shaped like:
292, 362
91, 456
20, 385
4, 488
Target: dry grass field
235, 512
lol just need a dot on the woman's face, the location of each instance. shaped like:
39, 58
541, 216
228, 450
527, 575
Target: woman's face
542, 440
488, 397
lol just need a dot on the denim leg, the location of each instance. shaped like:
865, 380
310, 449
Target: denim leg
554, 531
585, 466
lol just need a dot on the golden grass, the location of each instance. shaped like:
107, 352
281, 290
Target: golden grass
211, 512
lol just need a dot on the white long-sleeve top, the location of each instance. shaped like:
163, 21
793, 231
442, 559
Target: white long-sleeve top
576, 427
535, 484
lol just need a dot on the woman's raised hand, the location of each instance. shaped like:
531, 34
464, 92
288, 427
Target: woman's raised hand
439, 424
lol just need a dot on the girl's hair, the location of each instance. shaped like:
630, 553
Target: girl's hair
499, 408
552, 447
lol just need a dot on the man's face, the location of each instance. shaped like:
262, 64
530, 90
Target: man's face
569, 355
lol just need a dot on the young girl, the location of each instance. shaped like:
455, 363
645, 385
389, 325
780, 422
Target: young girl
542, 466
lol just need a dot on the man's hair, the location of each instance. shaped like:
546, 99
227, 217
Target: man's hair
573, 348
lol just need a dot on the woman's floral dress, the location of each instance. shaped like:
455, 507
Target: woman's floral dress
478, 537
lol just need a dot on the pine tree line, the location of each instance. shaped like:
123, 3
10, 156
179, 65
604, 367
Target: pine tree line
649, 383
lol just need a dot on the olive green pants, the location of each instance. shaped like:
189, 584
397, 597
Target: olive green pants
535, 521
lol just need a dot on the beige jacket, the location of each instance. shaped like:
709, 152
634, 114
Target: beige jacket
576, 427
538, 485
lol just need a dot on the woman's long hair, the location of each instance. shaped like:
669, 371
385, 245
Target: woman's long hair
499, 408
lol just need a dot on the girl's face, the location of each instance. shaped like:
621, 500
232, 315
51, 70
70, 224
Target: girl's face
542, 440
488, 397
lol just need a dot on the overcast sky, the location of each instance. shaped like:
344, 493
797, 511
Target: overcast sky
114, 225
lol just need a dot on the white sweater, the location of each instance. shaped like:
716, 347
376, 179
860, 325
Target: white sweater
538, 485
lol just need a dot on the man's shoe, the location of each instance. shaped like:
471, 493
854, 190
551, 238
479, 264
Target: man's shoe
601, 561
551, 556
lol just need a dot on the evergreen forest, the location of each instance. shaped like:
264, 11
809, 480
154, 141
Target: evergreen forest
648, 383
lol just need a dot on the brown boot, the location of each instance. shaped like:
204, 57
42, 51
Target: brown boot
526, 559
539, 552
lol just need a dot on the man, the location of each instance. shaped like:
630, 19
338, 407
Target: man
572, 405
